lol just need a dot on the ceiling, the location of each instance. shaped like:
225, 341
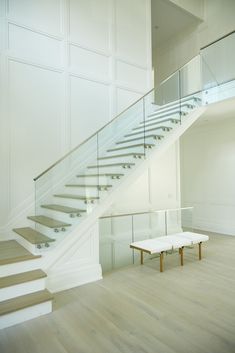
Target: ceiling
168, 20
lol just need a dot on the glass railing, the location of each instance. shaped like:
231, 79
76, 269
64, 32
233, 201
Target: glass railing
77, 183
117, 232
72, 187
218, 69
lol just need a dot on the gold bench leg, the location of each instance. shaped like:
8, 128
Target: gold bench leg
200, 251
141, 257
161, 261
181, 251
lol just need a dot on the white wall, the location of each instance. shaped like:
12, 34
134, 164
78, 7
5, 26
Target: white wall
67, 67
158, 188
218, 21
208, 174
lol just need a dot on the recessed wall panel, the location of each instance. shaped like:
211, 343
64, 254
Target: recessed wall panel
163, 180
131, 30
35, 47
87, 62
40, 14
89, 108
125, 98
131, 76
90, 23
36, 108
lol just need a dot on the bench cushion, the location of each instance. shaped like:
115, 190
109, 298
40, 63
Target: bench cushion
175, 241
169, 242
151, 246
195, 238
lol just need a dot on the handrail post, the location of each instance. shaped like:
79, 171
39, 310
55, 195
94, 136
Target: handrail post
133, 238
166, 228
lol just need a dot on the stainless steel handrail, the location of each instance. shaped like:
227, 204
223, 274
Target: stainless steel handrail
145, 212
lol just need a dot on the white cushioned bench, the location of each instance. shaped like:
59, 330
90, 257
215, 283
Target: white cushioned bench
169, 242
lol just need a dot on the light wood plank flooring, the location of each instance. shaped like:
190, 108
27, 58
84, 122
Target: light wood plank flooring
188, 309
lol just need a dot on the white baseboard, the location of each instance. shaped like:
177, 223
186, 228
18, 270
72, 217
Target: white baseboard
215, 226
25, 314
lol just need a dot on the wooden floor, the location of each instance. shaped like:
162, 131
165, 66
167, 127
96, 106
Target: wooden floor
140, 310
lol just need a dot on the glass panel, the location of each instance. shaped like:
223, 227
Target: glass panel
218, 71
62, 195
190, 77
106, 245
168, 91
115, 238
219, 59
120, 146
122, 231
179, 220
158, 224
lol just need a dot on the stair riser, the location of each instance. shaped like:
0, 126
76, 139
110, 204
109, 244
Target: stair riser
18, 267
22, 289
27, 245
25, 314
50, 233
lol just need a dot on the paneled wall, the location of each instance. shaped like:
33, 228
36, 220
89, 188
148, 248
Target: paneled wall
67, 68
208, 174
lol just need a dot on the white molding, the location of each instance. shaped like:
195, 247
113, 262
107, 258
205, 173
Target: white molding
130, 62
32, 63
34, 30
9, 19
214, 226
129, 89
92, 50
90, 78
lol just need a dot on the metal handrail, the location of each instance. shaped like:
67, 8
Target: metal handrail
217, 40
145, 212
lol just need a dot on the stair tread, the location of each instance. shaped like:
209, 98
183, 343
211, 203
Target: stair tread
99, 175
154, 121
110, 165
175, 103
76, 197
170, 110
64, 209
33, 236
140, 138
23, 277
147, 130
122, 155
48, 222
89, 186
24, 301
131, 146
12, 252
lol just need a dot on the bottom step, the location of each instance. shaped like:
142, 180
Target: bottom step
26, 307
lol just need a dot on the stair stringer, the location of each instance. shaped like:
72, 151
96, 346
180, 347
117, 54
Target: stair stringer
75, 260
